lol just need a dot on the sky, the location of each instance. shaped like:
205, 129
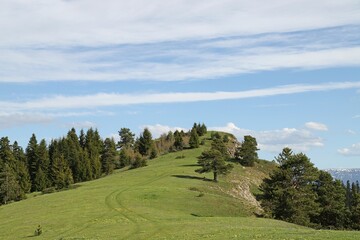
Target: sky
284, 71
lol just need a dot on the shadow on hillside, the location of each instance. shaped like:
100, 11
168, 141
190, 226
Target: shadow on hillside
192, 177
190, 165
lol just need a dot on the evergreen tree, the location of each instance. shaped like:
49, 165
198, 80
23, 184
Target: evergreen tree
61, 173
219, 145
246, 153
32, 159
213, 161
194, 139
94, 148
82, 139
332, 202
41, 181
6, 153
73, 157
43, 165
288, 193
9, 187
127, 138
145, 142
108, 156
18, 153
23, 178
284, 156
179, 142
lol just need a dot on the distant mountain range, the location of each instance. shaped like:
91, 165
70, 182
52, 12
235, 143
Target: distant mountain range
344, 174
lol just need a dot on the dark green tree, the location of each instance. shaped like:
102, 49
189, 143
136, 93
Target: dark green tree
9, 187
73, 156
288, 193
178, 141
194, 139
213, 161
332, 202
246, 154
284, 156
108, 156
219, 145
127, 138
94, 148
61, 173
145, 142
32, 156
41, 181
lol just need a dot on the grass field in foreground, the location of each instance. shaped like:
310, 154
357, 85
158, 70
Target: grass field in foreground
165, 200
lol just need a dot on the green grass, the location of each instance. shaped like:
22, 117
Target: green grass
165, 200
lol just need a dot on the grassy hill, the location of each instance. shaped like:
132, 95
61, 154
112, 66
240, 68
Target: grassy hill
165, 200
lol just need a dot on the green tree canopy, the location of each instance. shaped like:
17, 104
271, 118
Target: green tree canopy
246, 154
194, 139
213, 161
127, 138
288, 194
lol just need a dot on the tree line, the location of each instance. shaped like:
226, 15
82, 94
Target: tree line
80, 157
299, 193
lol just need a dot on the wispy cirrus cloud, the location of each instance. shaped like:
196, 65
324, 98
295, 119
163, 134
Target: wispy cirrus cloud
156, 43
114, 99
316, 126
44, 23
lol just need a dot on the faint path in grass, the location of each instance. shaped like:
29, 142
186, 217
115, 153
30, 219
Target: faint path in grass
115, 203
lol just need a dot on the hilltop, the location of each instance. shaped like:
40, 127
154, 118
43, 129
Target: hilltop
165, 200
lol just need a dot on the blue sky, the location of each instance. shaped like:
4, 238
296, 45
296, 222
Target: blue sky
286, 72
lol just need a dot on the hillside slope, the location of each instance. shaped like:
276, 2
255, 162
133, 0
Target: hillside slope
165, 200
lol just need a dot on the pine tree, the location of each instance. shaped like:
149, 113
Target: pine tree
32, 159
9, 187
284, 156
73, 156
94, 148
213, 161
145, 142
288, 193
332, 202
61, 173
246, 153
108, 156
194, 139
179, 142
127, 138
41, 181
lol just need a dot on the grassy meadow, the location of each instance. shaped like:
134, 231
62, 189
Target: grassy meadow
164, 200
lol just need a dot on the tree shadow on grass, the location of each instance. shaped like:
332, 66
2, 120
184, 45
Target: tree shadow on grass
192, 177
190, 165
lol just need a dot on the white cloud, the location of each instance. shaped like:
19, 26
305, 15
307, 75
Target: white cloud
275, 140
172, 40
353, 150
14, 119
144, 64
158, 129
114, 99
356, 116
91, 22
316, 126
